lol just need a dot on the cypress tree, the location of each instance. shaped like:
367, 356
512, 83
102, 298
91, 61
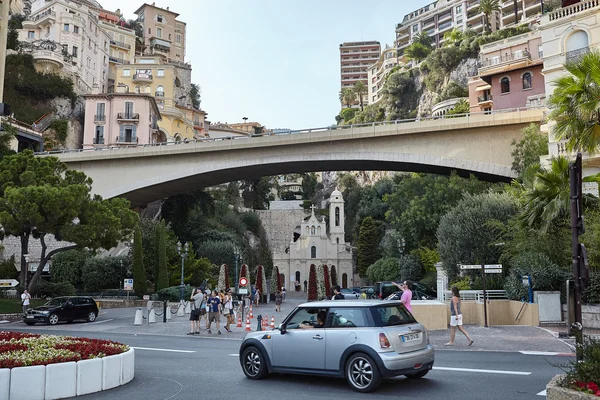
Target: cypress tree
369, 237
333, 276
312, 284
162, 277
326, 281
140, 285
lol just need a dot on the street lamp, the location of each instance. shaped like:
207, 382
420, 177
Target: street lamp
236, 253
182, 252
26, 258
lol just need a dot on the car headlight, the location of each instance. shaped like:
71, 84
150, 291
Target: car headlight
45, 312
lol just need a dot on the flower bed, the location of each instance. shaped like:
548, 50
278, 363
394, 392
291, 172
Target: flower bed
25, 349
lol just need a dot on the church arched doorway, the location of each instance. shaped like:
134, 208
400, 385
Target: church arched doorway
297, 283
344, 280
282, 280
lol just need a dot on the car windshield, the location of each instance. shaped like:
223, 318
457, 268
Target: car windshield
393, 315
59, 301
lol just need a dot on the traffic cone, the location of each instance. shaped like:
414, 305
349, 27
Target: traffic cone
251, 315
265, 321
248, 325
239, 324
272, 322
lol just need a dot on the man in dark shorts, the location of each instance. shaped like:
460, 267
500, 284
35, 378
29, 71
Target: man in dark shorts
214, 305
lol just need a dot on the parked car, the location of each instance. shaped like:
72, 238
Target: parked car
385, 289
63, 309
349, 293
369, 291
361, 341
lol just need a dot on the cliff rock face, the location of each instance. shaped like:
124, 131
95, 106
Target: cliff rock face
464, 71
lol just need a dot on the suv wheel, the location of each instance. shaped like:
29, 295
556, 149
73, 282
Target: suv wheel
91, 316
417, 375
253, 363
53, 319
362, 373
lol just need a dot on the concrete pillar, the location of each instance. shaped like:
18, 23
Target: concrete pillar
442, 281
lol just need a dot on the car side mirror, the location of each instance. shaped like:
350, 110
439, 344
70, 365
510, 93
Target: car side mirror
281, 328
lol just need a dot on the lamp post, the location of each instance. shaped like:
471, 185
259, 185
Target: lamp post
236, 253
121, 278
26, 258
182, 250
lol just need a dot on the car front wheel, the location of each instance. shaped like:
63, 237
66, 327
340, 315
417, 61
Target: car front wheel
91, 316
53, 319
253, 363
362, 373
417, 375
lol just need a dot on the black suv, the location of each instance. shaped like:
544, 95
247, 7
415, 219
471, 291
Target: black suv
385, 289
63, 309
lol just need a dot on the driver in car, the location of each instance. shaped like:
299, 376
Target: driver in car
320, 321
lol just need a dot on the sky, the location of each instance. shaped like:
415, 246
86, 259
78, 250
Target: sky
275, 61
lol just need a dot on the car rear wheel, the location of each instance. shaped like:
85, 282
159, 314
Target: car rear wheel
362, 373
253, 363
417, 375
53, 319
91, 316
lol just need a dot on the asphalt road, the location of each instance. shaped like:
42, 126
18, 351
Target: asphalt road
191, 368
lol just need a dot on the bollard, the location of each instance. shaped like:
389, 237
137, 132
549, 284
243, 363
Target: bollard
139, 317
188, 307
168, 312
180, 310
151, 317
165, 311
259, 320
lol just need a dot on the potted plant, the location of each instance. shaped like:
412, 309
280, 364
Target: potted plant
582, 379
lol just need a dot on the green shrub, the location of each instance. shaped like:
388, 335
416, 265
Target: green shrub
430, 280
8, 269
384, 269
68, 266
410, 268
252, 222
587, 370
60, 126
463, 283
348, 114
545, 275
50, 289
592, 294
172, 293
104, 273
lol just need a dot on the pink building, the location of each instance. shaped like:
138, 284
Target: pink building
510, 75
114, 119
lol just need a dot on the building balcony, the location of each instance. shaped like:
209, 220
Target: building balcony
99, 140
47, 16
473, 4
160, 44
118, 60
574, 56
128, 117
485, 100
499, 63
445, 17
574, 9
99, 118
120, 44
142, 77
55, 58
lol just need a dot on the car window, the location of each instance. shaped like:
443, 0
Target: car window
388, 289
73, 301
304, 314
392, 315
59, 301
349, 318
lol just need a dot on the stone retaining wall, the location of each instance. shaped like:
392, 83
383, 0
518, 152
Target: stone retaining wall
590, 315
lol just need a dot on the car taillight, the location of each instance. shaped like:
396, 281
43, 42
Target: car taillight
380, 295
384, 343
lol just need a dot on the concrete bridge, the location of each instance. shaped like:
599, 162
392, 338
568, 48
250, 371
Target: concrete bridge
478, 144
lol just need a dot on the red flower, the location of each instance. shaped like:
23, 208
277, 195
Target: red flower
592, 386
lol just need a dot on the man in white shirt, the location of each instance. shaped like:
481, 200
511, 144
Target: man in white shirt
25, 300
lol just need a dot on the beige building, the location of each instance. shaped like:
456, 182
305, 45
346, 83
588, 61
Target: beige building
120, 119
164, 34
122, 44
355, 59
64, 36
377, 72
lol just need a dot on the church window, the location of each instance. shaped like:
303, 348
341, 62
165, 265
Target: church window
312, 230
307, 231
297, 276
337, 240
337, 216
318, 230
344, 280
313, 252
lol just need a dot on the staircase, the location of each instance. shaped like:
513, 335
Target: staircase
44, 122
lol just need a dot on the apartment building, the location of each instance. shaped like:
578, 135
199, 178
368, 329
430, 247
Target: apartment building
510, 74
377, 72
525, 10
355, 60
164, 34
121, 119
64, 36
169, 83
121, 47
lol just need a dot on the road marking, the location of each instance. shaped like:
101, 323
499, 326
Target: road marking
101, 322
483, 371
542, 393
168, 350
234, 355
546, 353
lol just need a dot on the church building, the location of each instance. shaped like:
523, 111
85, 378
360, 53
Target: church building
312, 244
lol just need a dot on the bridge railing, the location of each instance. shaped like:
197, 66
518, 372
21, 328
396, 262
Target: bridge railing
297, 131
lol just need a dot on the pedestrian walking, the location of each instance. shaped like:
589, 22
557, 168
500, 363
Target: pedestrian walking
196, 302
278, 300
283, 293
406, 293
214, 306
305, 285
257, 296
456, 319
337, 295
228, 310
25, 297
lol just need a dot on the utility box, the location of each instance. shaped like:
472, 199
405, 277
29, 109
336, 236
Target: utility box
549, 306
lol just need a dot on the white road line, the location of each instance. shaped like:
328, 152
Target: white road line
234, 355
545, 353
100, 322
483, 371
542, 393
168, 350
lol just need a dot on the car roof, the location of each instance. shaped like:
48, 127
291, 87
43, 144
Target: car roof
347, 303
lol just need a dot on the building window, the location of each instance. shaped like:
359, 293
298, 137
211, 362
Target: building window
148, 89
313, 252
75, 29
177, 38
505, 85
159, 32
337, 216
169, 36
313, 230
160, 72
99, 135
160, 18
100, 110
138, 89
75, 51
65, 48
127, 134
527, 80
160, 91
66, 27
126, 72
129, 109
149, 31
415, 28
31, 35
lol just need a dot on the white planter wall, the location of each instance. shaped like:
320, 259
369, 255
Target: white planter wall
57, 381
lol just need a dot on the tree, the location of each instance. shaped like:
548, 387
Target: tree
221, 281
140, 284
468, 234
487, 7
275, 280
162, 277
6, 139
347, 114
39, 196
67, 266
321, 292
360, 90
575, 104
333, 274
263, 278
227, 281
368, 244
384, 269
528, 150
453, 37
101, 273
347, 96
194, 94
461, 107
244, 272
259, 278
309, 185
326, 281
280, 282
312, 284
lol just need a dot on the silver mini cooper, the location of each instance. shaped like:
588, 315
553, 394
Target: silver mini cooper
363, 341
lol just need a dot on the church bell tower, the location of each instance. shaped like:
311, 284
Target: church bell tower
336, 217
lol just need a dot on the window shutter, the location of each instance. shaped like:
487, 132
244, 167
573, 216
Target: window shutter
121, 133
133, 134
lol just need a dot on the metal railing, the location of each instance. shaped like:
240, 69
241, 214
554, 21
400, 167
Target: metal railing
524, 55
477, 295
119, 60
574, 56
128, 116
142, 77
99, 118
120, 44
485, 99
42, 15
456, 118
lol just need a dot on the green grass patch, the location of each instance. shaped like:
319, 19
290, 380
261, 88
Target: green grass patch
13, 306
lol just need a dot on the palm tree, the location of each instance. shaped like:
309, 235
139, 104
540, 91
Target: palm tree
453, 37
487, 7
360, 89
347, 96
423, 38
575, 104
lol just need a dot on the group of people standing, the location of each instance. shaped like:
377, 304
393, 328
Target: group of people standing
208, 307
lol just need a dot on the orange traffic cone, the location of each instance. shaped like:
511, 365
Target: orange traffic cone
272, 322
239, 324
251, 315
248, 325
265, 319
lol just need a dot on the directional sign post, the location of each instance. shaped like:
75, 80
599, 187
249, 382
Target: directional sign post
8, 283
243, 289
485, 269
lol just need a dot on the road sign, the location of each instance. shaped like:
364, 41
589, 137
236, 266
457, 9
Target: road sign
493, 270
487, 266
8, 282
243, 290
243, 281
128, 284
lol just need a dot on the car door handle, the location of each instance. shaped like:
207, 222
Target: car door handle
317, 337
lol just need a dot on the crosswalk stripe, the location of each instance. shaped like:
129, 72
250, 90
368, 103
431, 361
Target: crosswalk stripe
483, 371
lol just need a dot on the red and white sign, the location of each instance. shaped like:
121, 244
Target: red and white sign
243, 281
